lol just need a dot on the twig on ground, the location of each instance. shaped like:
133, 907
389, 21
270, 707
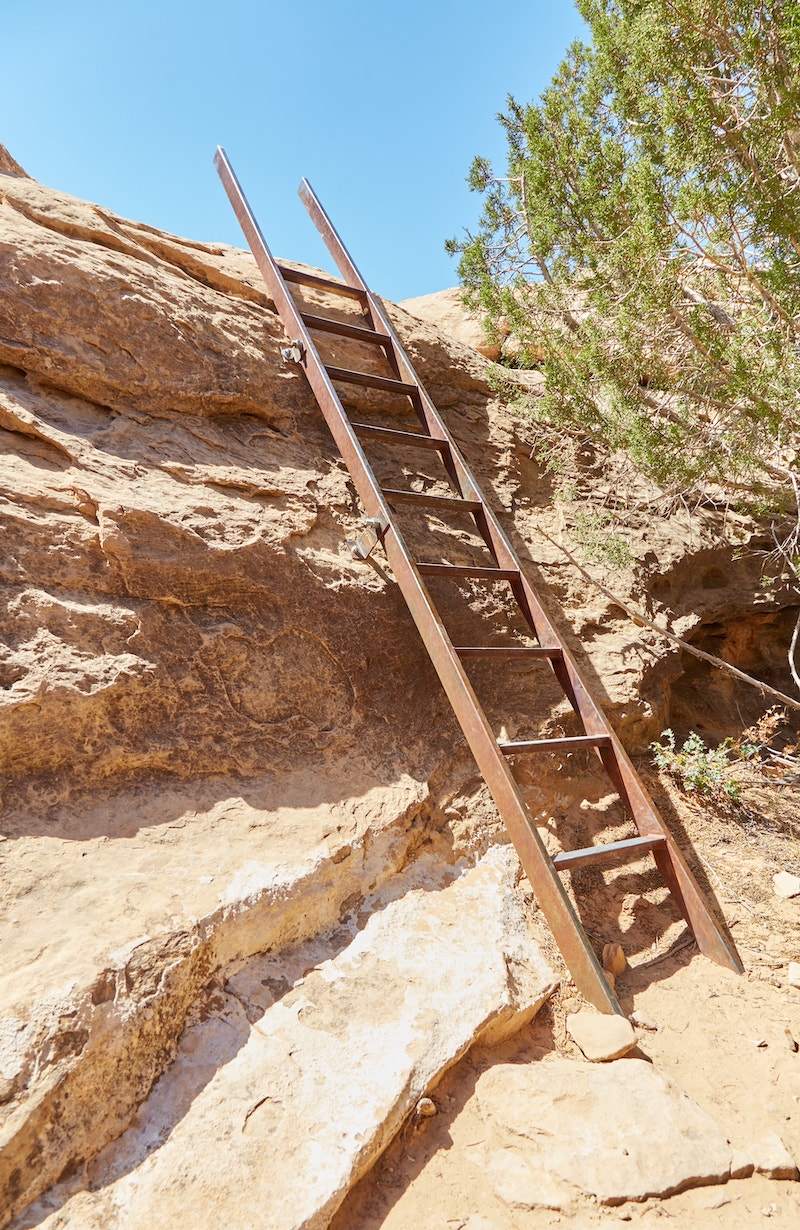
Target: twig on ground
643, 621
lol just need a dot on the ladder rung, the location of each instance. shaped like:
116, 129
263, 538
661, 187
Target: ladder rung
373, 382
615, 852
509, 651
431, 501
312, 279
324, 324
555, 745
390, 436
467, 570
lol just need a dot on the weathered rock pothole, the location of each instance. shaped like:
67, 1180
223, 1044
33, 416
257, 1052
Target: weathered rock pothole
715, 704
727, 604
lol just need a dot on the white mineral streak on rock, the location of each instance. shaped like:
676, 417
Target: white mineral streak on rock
557, 1128
278, 1105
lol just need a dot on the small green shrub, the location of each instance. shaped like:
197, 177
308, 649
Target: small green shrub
600, 545
697, 768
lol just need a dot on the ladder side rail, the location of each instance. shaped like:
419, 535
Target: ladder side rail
331, 237
345, 437
504, 789
670, 861
455, 464
497, 541
550, 892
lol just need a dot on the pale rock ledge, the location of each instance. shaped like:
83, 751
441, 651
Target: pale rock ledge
282, 1096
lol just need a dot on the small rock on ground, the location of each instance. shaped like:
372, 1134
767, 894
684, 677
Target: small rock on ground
560, 1128
600, 1037
772, 1159
786, 885
614, 959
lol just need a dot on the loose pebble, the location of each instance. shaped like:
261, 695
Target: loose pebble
425, 1108
786, 885
791, 1041
793, 974
641, 1021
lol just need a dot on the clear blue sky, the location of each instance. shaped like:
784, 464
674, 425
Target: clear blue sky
381, 105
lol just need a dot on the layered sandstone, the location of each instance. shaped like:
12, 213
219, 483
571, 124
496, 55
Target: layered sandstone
221, 736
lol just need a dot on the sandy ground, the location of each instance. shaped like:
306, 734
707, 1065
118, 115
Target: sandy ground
722, 1037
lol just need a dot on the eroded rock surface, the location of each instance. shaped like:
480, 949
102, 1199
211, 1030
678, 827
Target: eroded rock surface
280, 1098
621, 1131
220, 733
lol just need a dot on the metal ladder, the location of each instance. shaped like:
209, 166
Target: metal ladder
382, 526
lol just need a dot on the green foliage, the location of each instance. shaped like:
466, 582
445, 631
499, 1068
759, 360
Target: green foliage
698, 769
593, 532
646, 237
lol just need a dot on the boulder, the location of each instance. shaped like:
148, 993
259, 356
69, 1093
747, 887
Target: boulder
559, 1129
445, 309
601, 1037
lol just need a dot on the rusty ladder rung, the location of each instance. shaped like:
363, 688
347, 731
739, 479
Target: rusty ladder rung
569, 744
509, 651
329, 284
368, 380
615, 852
492, 757
388, 435
425, 500
455, 571
326, 324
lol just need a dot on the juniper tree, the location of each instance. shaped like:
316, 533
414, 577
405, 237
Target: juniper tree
645, 240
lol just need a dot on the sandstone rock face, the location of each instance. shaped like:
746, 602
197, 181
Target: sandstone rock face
10, 165
220, 734
618, 1132
219, 731
279, 1098
445, 309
